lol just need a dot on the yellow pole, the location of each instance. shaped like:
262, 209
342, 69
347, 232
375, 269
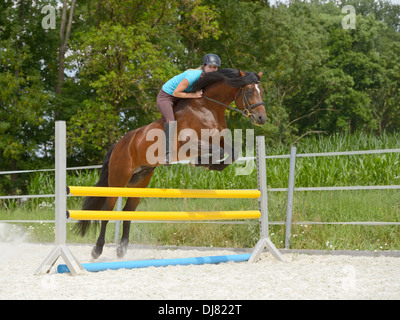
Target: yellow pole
161, 193
162, 215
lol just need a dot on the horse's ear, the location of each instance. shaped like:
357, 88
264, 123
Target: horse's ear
260, 74
241, 73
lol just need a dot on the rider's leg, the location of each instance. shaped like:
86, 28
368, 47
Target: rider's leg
169, 134
165, 103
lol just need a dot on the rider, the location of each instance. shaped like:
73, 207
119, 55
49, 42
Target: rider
179, 88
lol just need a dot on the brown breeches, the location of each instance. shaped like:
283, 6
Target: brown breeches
165, 103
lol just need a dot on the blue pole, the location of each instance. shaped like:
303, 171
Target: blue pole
102, 266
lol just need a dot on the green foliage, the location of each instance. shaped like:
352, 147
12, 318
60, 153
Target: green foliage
24, 98
123, 61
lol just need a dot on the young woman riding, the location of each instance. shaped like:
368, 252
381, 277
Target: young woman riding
179, 88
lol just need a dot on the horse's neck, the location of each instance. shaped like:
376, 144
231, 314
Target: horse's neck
192, 108
220, 92
224, 95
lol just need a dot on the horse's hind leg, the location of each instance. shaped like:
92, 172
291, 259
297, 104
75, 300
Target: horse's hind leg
98, 247
140, 179
131, 205
123, 246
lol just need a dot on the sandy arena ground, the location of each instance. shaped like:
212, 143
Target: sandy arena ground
301, 277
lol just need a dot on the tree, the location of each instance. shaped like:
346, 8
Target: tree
23, 98
65, 31
124, 58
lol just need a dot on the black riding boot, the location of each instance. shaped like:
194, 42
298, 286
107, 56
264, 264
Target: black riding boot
169, 132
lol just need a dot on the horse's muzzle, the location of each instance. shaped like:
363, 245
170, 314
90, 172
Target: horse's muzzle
258, 118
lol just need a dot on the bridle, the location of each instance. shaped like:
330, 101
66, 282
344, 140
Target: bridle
246, 104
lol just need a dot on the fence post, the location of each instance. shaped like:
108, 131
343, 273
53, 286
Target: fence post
60, 182
117, 223
60, 250
289, 209
264, 241
262, 186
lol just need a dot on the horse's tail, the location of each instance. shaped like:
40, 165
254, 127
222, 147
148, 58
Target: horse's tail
95, 203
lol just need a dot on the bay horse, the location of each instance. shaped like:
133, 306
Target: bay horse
126, 163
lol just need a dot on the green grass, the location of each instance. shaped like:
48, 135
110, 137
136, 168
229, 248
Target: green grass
346, 206
324, 206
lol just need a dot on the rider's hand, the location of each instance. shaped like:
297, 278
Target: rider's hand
198, 94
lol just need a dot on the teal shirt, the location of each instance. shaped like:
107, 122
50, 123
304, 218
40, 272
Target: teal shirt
190, 75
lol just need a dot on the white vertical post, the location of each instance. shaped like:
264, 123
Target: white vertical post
289, 210
264, 241
117, 223
61, 249
61, 183
262, 186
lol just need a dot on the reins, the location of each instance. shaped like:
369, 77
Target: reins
246, 105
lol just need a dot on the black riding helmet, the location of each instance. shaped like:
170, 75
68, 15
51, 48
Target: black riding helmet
211, 59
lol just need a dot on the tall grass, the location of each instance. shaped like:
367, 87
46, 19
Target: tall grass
376, 205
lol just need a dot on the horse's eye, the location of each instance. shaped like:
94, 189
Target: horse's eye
249, 92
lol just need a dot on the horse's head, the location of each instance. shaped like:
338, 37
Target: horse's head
243, 87
249, 100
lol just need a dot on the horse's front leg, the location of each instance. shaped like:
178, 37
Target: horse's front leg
213, 157
224, 161
207, 154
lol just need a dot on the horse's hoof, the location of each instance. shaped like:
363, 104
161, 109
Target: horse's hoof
96, 252
121, 251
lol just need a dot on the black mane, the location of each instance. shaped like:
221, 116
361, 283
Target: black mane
230, 76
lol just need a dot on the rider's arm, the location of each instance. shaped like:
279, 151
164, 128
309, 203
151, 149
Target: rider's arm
179, 91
